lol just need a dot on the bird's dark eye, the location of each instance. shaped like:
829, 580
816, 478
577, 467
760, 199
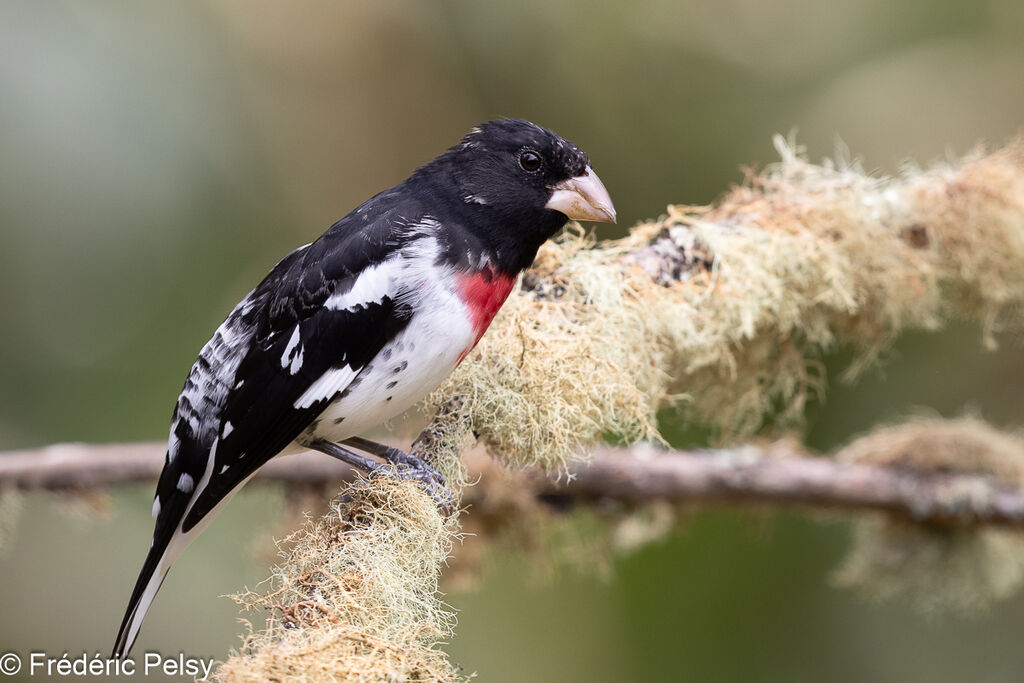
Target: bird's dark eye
529, 160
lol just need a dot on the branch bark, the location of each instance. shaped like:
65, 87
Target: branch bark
774, 475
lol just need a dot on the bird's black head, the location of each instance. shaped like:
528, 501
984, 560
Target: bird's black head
518, 184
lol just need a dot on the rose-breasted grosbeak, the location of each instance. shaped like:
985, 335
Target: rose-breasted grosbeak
352, 329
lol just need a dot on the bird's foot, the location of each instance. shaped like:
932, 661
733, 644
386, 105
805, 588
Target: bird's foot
395, 456
403, 465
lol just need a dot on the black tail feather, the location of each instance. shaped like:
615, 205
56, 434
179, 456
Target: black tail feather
167, 525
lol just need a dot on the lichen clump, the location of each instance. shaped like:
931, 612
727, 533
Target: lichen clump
965, 445
567, 363
355, 598
725, 310
937, 568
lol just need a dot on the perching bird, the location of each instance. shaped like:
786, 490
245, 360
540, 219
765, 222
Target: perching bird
354, 328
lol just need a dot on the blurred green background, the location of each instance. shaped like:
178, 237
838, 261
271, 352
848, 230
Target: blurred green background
157, 158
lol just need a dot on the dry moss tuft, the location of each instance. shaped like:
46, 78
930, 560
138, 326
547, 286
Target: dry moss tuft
355, 598
959, 571
745, 297
938, 569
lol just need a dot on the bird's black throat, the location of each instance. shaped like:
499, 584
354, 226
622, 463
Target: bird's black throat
506, 232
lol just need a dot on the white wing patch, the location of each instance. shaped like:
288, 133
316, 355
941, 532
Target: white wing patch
372, 285
330, 383
288, 357
186, 483
173, 443
296, 362
410, 264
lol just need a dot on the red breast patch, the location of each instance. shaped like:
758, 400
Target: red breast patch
483, 292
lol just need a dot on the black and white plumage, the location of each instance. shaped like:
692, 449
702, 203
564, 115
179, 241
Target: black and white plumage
351, 330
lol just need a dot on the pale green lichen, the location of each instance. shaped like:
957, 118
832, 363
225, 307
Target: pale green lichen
355, 597
799, 260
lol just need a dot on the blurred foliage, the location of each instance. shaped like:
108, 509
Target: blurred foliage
157, 158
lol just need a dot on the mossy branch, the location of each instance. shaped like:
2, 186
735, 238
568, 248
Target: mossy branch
775, 474
722, 311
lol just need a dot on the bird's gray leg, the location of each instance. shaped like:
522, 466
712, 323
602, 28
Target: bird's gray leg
343, 454
395, 456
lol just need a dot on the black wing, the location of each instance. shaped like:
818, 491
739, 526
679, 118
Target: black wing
301, 354
240, 404
265, 413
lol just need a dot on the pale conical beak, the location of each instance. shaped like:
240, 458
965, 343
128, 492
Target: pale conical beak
583, 198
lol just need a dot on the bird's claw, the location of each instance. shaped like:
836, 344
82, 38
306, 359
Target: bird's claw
412, 462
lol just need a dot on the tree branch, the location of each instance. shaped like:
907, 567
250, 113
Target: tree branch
775, 475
